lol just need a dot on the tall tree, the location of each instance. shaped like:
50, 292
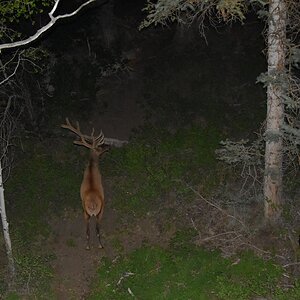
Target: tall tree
275, 79
275, 109
6, 130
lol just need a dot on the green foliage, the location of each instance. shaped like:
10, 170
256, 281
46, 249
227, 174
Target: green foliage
157, 162
184, 271
241, 152
170, 10
38, 55
13, 10
232, 9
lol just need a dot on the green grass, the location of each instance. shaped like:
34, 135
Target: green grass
185, 271
41, 185
34, 272
157, 162
289, 294
71, 243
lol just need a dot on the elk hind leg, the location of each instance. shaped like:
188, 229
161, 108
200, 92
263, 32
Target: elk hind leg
98, 219
87, 222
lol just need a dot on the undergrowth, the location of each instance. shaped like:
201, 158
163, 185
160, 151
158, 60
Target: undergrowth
50, 185
184, 271
43, 183
158, 162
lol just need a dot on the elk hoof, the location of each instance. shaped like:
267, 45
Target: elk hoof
100, 246
87, 247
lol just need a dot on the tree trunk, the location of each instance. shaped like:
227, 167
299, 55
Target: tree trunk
6, 235
275, 110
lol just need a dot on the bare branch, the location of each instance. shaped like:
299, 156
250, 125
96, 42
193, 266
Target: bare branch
115, 142
51, 13
197, 193
14, 71
46, 27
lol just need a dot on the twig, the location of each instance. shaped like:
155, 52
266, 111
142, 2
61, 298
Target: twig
125, 275
195, 227
88, 45
217, 235
213, 204
291, 264
130, 292
14, 71
263, 251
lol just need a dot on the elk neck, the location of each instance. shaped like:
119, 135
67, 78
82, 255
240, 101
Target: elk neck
92, 173
94, 159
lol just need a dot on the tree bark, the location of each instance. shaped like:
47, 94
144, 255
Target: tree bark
275, 110
11, 264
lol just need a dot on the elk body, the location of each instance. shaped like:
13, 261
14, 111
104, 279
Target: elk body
91, 190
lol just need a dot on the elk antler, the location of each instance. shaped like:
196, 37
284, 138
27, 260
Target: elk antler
91, 142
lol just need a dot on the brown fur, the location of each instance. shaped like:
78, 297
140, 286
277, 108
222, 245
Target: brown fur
91, 190
92, 195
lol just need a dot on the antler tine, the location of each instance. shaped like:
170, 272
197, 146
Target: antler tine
93, 131
84, 143
72, 128
77, 131
91, 142
99, 139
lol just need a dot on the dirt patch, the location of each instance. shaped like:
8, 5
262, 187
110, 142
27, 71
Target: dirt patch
74, 267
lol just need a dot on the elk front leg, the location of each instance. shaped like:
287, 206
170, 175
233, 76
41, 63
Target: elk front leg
87, 222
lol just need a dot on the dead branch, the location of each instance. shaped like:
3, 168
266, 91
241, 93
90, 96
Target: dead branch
218, 235
214, 205
115, 142
7, 77
125, 275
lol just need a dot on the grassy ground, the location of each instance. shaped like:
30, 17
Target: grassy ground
156, 162
41, 187
149, 169
184, 271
